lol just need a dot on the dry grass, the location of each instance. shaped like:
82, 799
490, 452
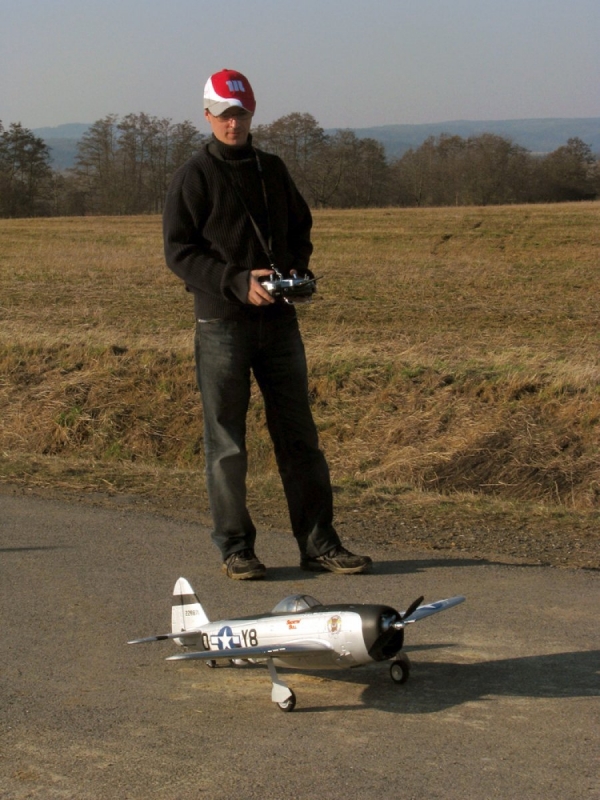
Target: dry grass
453, 352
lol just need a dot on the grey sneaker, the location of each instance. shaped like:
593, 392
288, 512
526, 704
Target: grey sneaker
244, 566
338, 560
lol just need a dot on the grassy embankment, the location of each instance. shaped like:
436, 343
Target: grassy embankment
454, 364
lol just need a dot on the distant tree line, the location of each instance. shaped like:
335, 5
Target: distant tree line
490, 170
124, 166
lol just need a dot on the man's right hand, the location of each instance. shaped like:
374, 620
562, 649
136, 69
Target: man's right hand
257, 295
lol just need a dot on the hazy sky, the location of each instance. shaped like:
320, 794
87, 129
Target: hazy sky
349, 63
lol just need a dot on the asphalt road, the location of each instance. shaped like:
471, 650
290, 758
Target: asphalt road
502, 701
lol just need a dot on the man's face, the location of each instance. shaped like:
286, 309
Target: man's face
232, 126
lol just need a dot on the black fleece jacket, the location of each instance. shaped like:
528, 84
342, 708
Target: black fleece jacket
209, 239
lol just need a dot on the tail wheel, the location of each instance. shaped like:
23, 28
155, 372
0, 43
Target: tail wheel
289, 704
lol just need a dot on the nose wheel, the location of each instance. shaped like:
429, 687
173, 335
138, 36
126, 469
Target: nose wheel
400, 669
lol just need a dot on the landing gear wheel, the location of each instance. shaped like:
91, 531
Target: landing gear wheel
211, 663
289, 704
400, 671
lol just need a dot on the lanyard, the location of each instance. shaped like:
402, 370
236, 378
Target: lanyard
268, 245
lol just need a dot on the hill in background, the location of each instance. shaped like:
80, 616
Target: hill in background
62, 141
536, 135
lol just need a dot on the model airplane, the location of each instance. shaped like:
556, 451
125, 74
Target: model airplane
300, 633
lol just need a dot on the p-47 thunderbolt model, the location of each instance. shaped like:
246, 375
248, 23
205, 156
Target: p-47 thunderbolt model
299, 632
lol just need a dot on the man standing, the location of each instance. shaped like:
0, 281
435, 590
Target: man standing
232, 214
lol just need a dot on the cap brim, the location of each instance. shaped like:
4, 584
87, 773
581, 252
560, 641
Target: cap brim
216, 108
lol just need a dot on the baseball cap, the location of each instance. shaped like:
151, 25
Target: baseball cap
226, 89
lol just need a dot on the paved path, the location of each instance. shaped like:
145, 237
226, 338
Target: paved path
502, 700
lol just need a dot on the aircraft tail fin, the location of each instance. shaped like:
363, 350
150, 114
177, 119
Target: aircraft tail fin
187, 613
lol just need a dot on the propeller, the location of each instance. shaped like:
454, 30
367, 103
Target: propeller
412, 608
398, 624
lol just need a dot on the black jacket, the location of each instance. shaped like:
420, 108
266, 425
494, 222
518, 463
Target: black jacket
210, 241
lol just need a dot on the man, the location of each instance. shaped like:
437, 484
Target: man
233, 213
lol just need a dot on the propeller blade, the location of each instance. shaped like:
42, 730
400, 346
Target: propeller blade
412, 608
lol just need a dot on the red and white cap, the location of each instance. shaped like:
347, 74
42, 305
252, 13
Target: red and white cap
226, 89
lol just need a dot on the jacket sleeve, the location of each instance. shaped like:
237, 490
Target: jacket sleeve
187, 252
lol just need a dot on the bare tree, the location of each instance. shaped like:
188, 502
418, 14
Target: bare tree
412, 175
96, 167
297, 139
362, 170
124, 167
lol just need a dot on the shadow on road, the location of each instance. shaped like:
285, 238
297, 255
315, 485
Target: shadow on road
35, 548
416, 566
437, 686
397, 567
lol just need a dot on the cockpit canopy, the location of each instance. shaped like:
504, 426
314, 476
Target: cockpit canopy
295, 603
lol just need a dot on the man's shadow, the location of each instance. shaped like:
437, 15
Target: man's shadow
399, 567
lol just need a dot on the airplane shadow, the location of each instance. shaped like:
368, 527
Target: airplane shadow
437, 686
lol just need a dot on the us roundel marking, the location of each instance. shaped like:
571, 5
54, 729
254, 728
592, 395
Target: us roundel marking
225, 639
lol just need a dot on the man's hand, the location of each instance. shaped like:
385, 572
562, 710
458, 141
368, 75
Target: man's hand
257, 295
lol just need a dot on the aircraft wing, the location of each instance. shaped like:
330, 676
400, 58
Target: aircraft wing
432, 608
163, 636
260, 651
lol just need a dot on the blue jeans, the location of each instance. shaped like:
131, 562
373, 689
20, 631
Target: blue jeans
227, 352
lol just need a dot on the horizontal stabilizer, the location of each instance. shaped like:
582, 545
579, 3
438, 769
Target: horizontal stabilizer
266, 651
163, 636
433, 608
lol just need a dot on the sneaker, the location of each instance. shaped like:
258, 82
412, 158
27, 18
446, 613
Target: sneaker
338, 560
244, 566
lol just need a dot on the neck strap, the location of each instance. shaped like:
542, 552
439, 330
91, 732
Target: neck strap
266, 244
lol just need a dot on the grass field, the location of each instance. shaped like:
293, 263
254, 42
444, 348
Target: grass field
454, 363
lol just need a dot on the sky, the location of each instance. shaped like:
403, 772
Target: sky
349, 63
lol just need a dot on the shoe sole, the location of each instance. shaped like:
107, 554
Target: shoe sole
337, 570
253, 575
